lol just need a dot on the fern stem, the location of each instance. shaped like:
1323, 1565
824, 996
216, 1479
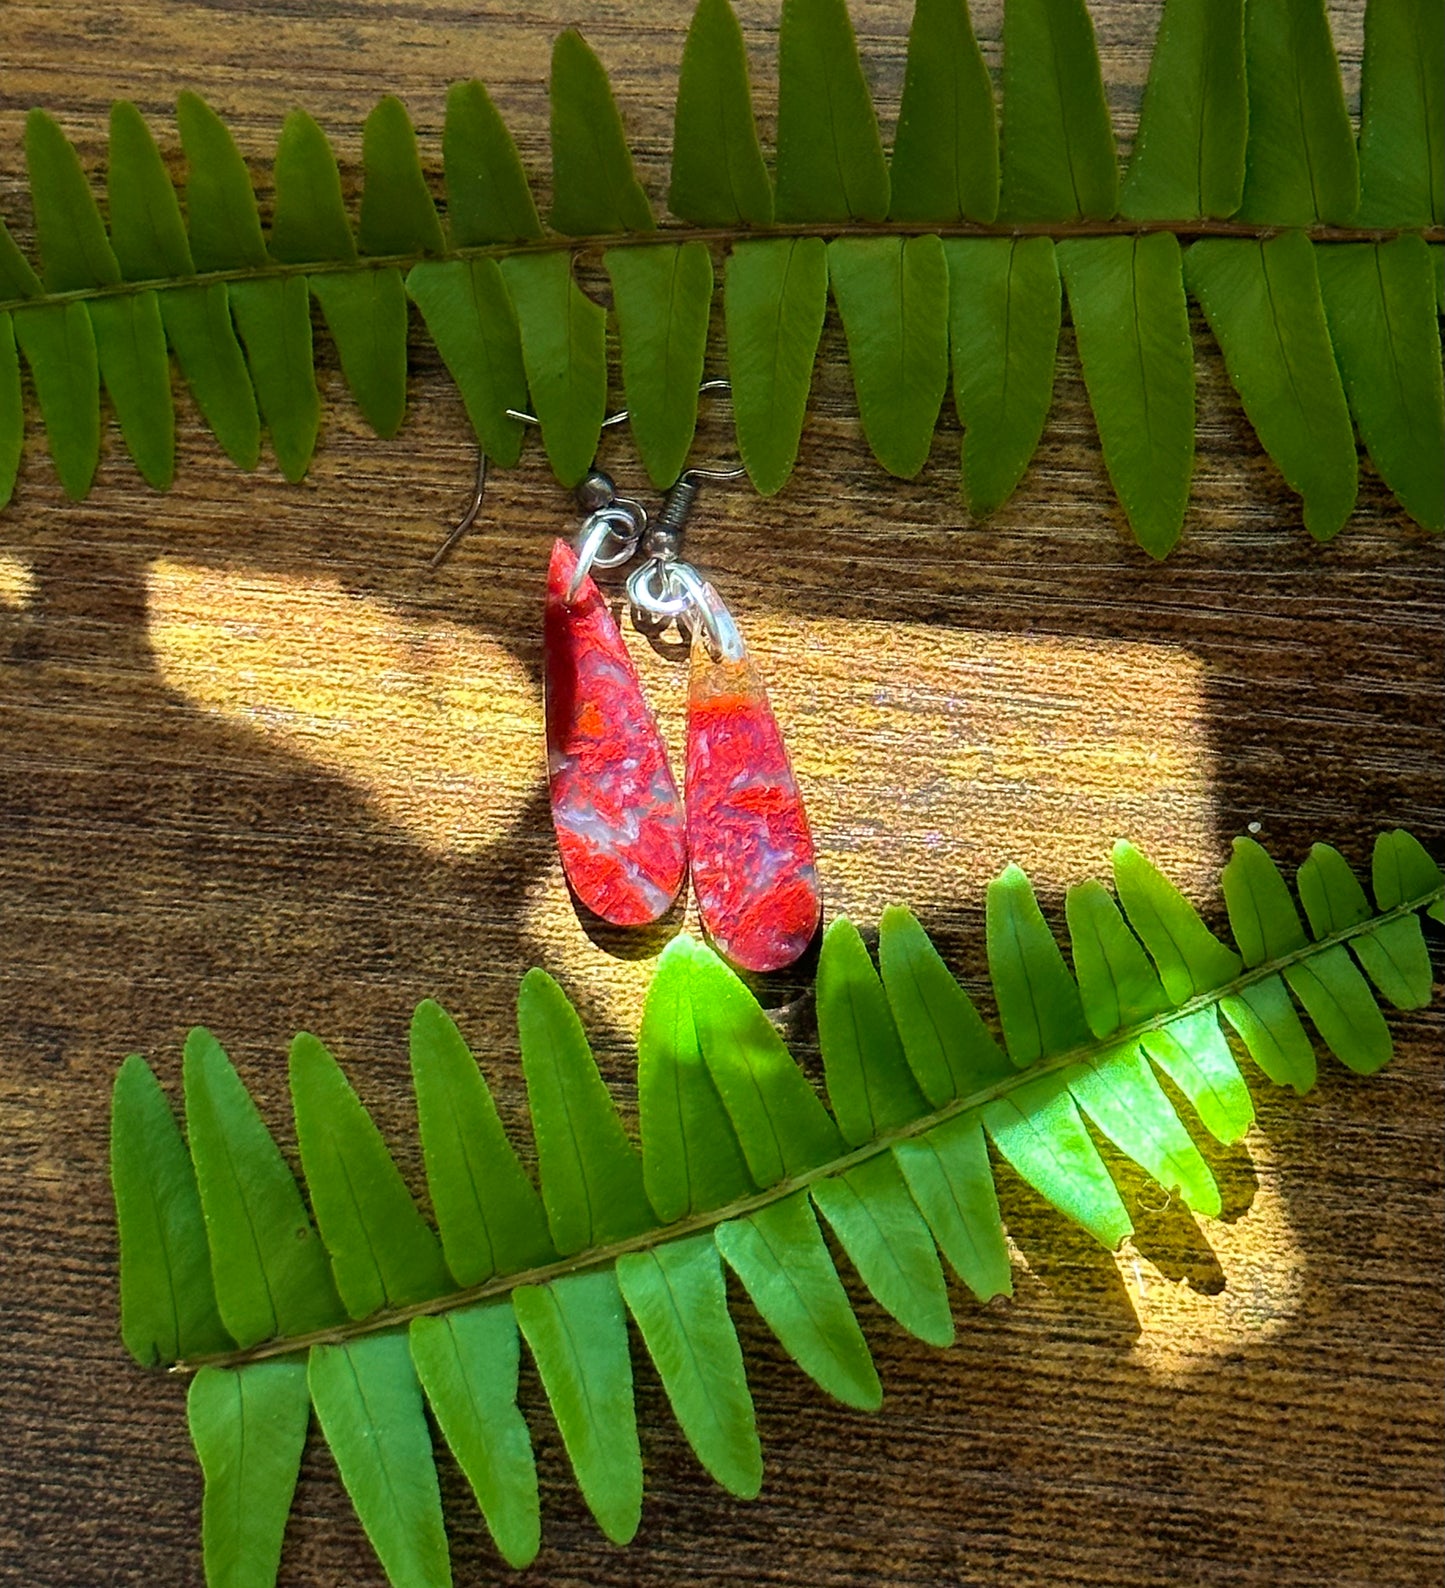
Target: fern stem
723, 237
600, 1256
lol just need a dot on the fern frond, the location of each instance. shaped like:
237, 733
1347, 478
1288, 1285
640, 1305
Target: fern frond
371, 1316
1308, 258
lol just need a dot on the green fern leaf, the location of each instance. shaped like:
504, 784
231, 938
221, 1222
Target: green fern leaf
830, 156
1126, 296
382, 1252
1402, 125
248, 1425
488, 200
369, 1404
718, 175
1058, 144
945, 156
397, 213
1300, 164
468, 1363
1262, 301
662, 297
1189, 150
775, 298
1005, 306
576, 1329
58, 342
594, 186
12, 409
1379, 301
564, 351
892, 293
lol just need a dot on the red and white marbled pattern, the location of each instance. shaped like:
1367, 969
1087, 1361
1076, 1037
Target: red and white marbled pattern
751, 852
615, 804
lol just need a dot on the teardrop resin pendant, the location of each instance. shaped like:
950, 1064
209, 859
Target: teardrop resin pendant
614, 802
749, 847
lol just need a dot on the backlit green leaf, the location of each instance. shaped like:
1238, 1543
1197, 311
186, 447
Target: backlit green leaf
718, 175
1004, 312
691, 1160
775, 296
369, 1404
1379, 303
1038, 1003
1266, 1021
1038, 1129
1058, 144
1126, 296
1191, 959
594, 188
471, 319
467, 1362
489, 1214
1188, 155
870, 1086
1120, 1094
310, 221
167, 1301
676, 1294
1194, 1054
662, 298
951, 1052
564, 351
784, 1265
58, 342
397, 213
488, 200
249, 1426
366, 314
576, 1330
781, 1125
382, 1252
892, 293
950, 1179
591, 1174
1300, 165
1402, 125
1395, 955
271, 1273
945, 153
1262, 301
830, 157
889, 1244
1117, 984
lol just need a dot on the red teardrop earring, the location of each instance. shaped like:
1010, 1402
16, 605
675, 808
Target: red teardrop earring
750, 849
615, 805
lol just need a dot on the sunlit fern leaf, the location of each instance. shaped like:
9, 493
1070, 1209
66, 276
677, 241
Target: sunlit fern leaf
222, 1269
1243, 128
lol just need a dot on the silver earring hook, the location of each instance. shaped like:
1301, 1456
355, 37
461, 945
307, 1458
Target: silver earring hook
688, 479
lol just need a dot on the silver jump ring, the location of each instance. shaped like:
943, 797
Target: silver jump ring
670, 601
600, 527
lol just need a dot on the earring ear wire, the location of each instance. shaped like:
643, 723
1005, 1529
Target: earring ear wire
458, 532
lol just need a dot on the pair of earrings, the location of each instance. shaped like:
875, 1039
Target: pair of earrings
625, 838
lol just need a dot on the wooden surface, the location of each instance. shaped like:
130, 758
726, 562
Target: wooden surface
258, 769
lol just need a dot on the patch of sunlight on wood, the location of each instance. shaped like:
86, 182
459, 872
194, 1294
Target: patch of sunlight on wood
930, 756
435, 722
1252, 1296
17, 581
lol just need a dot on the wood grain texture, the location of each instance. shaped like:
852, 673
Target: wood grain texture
259, 769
